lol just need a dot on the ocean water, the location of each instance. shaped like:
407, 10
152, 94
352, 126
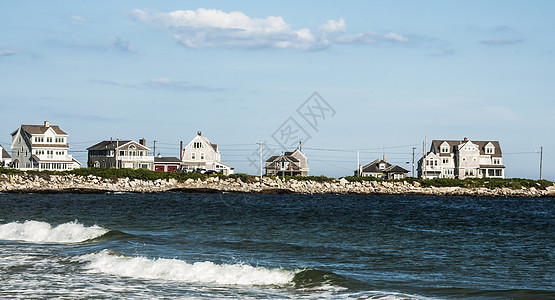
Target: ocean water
249, 246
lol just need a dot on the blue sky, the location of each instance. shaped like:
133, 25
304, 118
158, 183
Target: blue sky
390, 73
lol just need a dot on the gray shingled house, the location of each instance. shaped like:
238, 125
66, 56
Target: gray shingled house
380, 168
288, 164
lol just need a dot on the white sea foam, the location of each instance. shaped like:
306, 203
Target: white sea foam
108, 262
42, 232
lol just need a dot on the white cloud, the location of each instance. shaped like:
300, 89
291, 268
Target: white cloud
9, 52
77, 20
215, 28
162, 83
501, 42
204, 28
118, 43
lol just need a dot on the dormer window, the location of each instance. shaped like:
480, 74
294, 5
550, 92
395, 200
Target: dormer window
489, 150
382, 166
444, 149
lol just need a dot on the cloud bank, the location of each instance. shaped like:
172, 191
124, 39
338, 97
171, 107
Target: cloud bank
501, 42
208, 28
9, 52
162, 83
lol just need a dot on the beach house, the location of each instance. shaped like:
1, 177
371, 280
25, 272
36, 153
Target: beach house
462, 159
41, 147
202, 154
120, 154
288, 164
5, 158
380, 168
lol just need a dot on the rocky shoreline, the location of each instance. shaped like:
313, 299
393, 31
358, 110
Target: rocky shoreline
32, 183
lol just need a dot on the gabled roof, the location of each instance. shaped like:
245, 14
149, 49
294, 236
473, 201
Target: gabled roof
5, 154
374, 167
436, 144
282, 158
396, 169
40, 129
108, 145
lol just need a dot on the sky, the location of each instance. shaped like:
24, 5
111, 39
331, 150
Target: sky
366, 77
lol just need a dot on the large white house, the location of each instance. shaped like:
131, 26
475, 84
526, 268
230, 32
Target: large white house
200, 153
41, 147
462, 159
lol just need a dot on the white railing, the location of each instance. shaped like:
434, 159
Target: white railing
136, 158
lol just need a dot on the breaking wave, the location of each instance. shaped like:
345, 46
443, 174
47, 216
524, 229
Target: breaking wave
114, 263
42, 232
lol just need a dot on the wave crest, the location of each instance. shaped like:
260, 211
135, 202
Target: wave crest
109, 262
42, 232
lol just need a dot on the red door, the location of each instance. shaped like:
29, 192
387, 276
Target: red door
159, 168
172, 168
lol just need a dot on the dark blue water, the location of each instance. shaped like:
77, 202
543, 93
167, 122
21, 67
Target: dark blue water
174, 245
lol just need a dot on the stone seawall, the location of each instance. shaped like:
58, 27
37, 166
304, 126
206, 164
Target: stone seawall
32, 183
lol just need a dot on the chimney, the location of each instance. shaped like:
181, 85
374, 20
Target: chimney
384, 157
110, 139
300, 146
180, 150
465, 139
46, 124
142, 142
199, 133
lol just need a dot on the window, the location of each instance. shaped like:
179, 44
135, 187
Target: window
202, 155
121, 153
197, 145
469, 172
132, 147
382, 166
144, 166
498, 172
141, 153
496, 161
60, 140
489, 150
464, 159
444, 149
49, 139
39, 139
193, 156
445, 160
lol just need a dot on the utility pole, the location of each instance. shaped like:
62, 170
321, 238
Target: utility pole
260, 147
358, 163
117, 146
541, 161
413, 148
154, 150
424, 156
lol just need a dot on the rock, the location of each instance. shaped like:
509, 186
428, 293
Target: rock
343, 181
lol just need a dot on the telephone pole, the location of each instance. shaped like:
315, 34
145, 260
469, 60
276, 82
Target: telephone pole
260, 145
413, 148
154, 149
541, 161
